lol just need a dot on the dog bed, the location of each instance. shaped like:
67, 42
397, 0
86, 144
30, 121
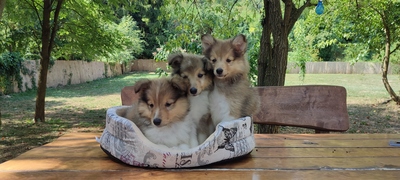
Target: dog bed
122, 140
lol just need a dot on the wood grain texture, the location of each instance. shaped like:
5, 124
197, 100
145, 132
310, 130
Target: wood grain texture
276, 156
128, 95
312, 106
220, 175
193, 174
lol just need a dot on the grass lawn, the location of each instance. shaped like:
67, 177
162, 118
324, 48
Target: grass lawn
83, 107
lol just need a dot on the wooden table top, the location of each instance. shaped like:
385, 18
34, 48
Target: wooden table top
276, 156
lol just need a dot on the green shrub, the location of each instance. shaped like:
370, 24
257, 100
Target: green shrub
10, 68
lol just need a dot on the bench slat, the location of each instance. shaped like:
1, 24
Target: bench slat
318, 107
311, 106
128, 95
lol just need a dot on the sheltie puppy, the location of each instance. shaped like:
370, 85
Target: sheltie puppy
199, 71
232, 96
160, 113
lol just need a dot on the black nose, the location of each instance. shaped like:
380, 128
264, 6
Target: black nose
193, 90
157, 121
219, 71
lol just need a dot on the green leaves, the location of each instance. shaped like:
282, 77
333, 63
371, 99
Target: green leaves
10, 67
188, 20
88, 30
128, 43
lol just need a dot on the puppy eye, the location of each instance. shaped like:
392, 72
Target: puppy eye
183, 76
168, 104
213, 60
151, 105
228, 60
200, 75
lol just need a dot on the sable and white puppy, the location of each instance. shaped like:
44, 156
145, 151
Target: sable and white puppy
232, 96
161, 112
199, 71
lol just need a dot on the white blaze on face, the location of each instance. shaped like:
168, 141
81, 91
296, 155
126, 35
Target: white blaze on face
157, 110
156, 114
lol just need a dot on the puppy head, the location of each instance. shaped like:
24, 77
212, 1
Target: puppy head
162, 101
196, 69
227, 56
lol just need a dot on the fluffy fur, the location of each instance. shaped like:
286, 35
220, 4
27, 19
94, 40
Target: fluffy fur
232, 96
198, 71
161, 112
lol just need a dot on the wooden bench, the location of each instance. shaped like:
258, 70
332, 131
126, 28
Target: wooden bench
319, 107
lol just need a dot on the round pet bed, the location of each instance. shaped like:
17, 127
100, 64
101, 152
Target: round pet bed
122, 139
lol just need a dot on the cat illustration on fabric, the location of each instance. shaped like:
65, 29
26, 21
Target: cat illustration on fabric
227, 144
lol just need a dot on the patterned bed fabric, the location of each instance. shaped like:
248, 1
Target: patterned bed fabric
123, 140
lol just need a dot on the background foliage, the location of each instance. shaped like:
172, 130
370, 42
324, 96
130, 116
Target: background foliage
113, 31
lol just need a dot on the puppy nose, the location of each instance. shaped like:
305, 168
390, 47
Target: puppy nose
193, 90
157, 121
219, 71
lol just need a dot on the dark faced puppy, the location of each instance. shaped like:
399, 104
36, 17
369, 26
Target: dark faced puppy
163, 100
197, 69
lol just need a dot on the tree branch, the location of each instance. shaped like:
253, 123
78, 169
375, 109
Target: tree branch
230, 12
36, 10
296, 14
395, 49
289, 7
55, 24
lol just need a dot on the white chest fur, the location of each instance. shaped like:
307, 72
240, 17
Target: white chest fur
199, 106
219, 107
176, 135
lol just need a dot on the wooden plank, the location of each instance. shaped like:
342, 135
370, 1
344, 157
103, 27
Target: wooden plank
128, 95
196, 174
315, 163
83, 135
314, 106
68, 157
322, 143
268, 163
326, 152
331, 136
57, 151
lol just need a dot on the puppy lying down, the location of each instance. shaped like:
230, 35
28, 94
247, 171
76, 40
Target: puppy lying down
161, 112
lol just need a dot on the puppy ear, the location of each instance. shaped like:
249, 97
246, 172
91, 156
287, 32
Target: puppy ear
141, 85
208, 67
180, 83
207, 41
175, 60
239, 44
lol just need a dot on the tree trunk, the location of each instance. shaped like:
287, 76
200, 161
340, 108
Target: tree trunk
274, 46
48, 35
2, 6
385, 64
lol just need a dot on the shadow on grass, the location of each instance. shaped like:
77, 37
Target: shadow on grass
19, 136
374, 118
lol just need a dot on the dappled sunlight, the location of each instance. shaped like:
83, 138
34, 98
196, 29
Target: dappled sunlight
374, 118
